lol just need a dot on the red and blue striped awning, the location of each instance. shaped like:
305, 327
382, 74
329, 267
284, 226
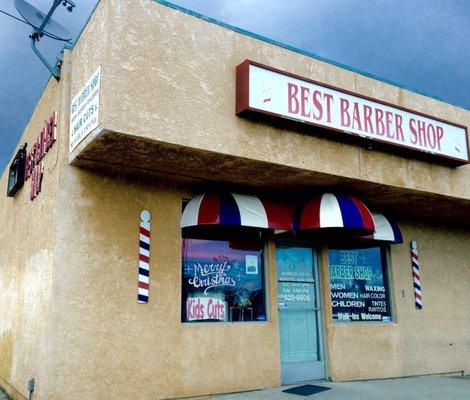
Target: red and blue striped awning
232, 209
386, 230
334, 211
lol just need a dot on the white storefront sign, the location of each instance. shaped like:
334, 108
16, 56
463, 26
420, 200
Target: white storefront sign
261, 89
84, 110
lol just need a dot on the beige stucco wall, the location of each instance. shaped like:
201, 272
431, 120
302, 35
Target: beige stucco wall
26, 260
69, 296
170, 77
432, 340
106, 345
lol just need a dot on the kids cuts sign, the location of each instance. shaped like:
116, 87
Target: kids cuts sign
264, 90
205, 308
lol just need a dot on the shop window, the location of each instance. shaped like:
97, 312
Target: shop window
16, 173
359, 285
223, 280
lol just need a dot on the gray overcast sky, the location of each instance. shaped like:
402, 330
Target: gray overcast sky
421, 44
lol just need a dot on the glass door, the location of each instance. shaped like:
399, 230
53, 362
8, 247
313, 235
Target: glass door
300, 327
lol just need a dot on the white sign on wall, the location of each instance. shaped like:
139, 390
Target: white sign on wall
264, 90
84, 110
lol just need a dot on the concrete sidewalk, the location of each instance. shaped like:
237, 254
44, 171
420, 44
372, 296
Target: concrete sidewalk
436, 387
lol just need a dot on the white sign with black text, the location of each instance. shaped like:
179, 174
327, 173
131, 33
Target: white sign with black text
84, 110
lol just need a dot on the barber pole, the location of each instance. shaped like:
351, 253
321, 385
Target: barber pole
416, 276
144, 258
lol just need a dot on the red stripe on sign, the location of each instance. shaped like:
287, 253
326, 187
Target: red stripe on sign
143, 258
417, 296
416, 275
143, 285
144, 232
209, 210
414, 257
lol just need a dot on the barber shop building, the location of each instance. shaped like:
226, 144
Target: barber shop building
196, 210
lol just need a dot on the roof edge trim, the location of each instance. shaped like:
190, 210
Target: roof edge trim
71, 46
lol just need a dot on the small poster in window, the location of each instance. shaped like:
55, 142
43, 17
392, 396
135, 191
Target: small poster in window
251, 265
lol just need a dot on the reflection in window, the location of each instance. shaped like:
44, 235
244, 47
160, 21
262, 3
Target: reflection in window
223, 281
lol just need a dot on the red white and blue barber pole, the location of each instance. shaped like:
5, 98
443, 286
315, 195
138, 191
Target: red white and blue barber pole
144, 258
416, 275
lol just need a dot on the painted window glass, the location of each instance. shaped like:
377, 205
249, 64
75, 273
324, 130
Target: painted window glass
297, 304
223, 281
359, 285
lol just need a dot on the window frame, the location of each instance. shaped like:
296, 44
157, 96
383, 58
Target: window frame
264, 279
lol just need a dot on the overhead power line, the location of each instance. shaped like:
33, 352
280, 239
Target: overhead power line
27, 23
12, 16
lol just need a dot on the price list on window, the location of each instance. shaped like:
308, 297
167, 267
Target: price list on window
296, 289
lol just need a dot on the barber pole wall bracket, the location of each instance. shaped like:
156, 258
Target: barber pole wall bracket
144, 258
416, 275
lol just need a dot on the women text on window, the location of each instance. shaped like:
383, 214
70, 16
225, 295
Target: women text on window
359, 286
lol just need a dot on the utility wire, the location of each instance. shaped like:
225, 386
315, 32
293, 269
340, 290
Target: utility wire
51, 35
12, 16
